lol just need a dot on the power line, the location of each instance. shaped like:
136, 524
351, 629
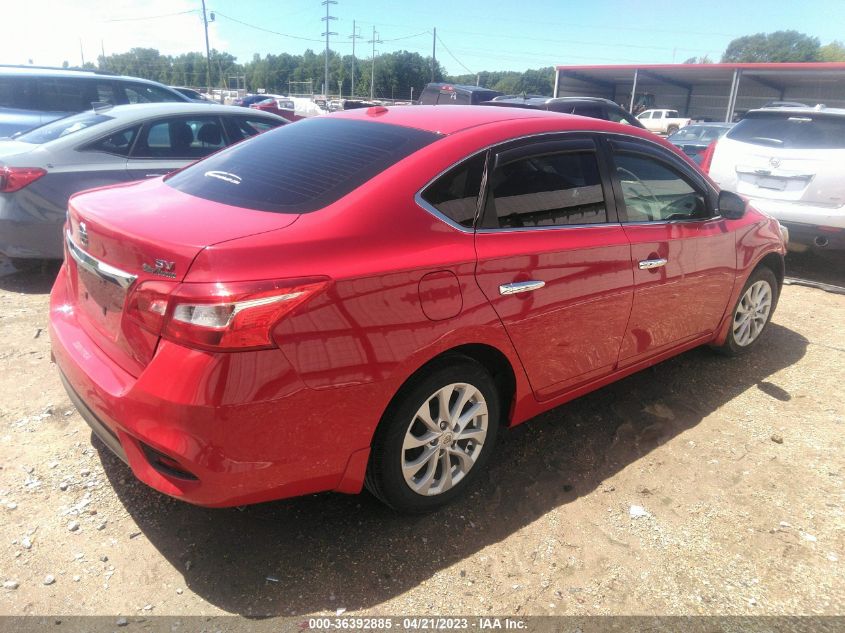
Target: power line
439, 39
261, 28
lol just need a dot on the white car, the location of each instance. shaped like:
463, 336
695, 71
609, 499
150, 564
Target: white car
791, 163
662, 121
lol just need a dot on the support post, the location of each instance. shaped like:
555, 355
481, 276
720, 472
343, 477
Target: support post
634, 90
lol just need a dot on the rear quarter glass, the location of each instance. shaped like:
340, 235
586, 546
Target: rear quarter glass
301, 167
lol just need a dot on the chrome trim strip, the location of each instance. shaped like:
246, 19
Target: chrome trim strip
520, 286
96, 267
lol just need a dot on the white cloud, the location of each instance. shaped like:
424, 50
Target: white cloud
49, 31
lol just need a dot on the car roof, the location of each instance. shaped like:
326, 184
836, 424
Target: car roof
42, 71
442, 119
451, 119
442, 85
791, 110
148, 110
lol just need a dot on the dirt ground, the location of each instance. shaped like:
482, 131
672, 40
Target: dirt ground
704, 485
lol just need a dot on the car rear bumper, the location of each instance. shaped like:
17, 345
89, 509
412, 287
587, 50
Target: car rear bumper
802, 236
211, 429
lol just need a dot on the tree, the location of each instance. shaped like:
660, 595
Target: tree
780, 46
833, 52
704, 59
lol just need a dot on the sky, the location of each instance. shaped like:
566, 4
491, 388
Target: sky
473, 35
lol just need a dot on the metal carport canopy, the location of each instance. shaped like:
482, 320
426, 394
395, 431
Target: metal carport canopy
712, 91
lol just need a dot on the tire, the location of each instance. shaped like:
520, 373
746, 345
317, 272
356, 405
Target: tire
411, 450
671, 130
748, 318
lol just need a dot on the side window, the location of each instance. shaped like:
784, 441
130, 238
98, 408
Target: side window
142, 93
61, 95
657, 114
654, 192
594, 112
16, 92
105, 92
187, 138
250, 126
550, 190
644, 116
117, 143
455, 193
618, 117
671, 114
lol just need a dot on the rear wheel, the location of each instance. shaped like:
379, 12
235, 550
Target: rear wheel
671, 130
752, 312
436, 438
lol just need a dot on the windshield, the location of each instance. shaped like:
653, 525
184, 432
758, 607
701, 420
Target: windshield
63, 127
791, 130
698, 133
300, 167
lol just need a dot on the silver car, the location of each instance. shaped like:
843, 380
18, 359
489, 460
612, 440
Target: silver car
42, 168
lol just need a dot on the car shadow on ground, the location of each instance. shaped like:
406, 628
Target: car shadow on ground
32, 277
328, 551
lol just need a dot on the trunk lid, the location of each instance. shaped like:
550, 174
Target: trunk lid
123, 236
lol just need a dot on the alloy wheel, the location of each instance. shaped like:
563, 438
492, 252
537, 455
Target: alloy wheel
752, 313
444, 439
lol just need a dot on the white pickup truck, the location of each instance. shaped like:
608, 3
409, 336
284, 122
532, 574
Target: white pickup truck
662, 121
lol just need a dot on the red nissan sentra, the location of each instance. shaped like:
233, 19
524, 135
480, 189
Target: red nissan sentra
366, 298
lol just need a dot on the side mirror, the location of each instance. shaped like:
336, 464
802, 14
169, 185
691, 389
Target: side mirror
731, 206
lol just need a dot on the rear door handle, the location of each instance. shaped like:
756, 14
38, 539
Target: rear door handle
520, 286
648, 264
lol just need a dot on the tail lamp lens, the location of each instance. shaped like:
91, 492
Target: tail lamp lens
707, 157
14, 178
218, 316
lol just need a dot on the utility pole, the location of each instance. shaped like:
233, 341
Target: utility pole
433, 53
81, 54
207, 49
103, 51
327, 20
353, 37
373, 41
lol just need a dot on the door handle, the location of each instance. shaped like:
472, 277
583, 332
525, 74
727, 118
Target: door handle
520, 286
649, 264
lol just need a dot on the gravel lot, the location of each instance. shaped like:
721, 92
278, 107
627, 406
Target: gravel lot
704, 485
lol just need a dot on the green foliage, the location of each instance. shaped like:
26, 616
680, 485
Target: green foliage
780, 46
395, 73
539, 81
833, 52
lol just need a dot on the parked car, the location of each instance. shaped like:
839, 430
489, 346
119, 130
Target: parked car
193, 95
455, 94
31, 96
285, 108
789, 162
662, 121
248, 100
593, 107
345, 301
694, 139
42, 168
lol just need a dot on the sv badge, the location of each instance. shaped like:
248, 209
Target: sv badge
162, 268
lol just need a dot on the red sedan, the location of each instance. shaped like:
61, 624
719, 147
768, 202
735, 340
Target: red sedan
367, 298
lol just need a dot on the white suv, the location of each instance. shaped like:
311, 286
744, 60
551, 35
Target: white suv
791, 163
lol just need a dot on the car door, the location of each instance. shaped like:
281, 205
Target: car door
170, 143
554, 261
683, 254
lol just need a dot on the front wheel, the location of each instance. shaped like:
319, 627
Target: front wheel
752, 312
436, 437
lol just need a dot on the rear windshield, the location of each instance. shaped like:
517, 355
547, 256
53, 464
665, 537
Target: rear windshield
300, 167
791, 130
63, 127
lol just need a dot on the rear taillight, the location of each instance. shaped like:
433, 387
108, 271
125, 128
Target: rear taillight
707, 157
218, 316
15, 178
